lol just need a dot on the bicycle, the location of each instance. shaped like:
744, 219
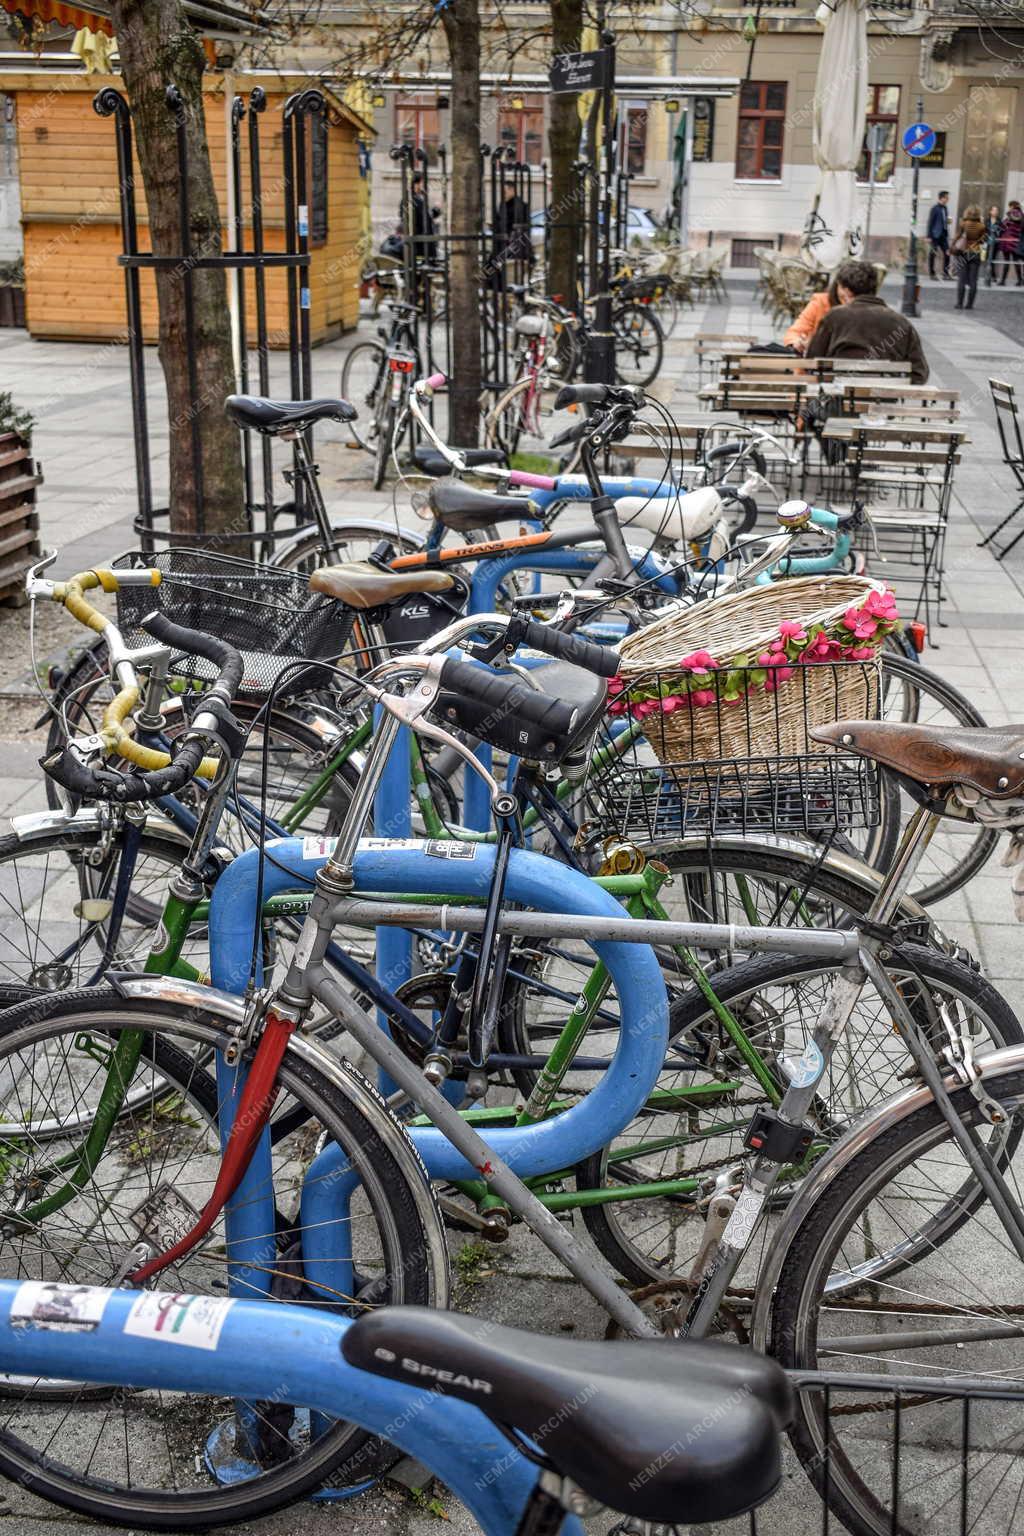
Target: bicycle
457, 1392
376, 375
459, 1152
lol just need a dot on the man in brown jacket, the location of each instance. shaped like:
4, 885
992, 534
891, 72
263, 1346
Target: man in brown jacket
863, 325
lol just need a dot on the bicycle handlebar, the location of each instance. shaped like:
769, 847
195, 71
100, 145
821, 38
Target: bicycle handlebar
507, 697
193, 642
600, 659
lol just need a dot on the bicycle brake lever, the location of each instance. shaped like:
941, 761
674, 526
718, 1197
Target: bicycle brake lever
411, 708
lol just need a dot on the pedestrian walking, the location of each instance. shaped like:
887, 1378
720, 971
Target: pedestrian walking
938, 234
993, 229
1009, 243
969, 245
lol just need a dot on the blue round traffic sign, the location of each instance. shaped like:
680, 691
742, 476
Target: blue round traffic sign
918, 140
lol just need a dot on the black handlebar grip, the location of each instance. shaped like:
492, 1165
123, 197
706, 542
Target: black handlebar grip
193, 642
102, 783
571, 434
603, 660
726, 450
581, 394
506, 698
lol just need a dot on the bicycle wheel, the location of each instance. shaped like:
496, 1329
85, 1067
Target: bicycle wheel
518, 423
504, 423
56, 906
693, 1126
918, 696
900, 1268
352, 541
639, 344
363, 375
300, 740
143, 1457
667, 309
383, 441
713, 880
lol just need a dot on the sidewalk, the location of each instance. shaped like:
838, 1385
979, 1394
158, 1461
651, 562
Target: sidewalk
80, 397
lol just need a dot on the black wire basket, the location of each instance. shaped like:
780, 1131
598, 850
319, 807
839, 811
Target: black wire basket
745, 764
270, 615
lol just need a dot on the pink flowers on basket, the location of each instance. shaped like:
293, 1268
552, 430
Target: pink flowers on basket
699, 680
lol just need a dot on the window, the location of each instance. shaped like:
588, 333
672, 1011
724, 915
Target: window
418, 122
633, 138
521, 128
883, 109
761, 122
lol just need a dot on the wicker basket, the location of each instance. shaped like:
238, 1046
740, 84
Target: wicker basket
764, 723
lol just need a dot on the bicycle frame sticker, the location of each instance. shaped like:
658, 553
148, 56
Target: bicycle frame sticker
442, 848
743, 1220
323, 847
47, 1304
178, 1318
805, 1069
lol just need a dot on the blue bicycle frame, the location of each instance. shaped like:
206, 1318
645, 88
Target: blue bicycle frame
562, 1141
296, 1353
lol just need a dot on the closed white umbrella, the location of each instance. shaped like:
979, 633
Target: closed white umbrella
840, 107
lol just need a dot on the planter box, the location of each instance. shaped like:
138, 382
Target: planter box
19, 518
12, 305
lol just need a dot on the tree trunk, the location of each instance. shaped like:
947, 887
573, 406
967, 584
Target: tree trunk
158, 48
565, 209
461, 21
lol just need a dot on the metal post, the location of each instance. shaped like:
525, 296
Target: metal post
684, 191
601, 352
909, 305
106, 104
176, 105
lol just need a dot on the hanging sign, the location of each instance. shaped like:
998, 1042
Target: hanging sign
573, 72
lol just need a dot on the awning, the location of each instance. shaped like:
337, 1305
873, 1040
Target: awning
54, 10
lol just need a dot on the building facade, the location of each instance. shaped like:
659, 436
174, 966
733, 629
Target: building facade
753, 179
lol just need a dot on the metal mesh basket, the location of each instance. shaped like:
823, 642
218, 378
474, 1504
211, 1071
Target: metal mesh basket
734, 768
270, 615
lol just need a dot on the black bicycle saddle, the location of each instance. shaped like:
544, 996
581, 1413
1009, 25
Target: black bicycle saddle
673, 1433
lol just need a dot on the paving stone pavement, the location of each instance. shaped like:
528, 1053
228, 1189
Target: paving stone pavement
80, 397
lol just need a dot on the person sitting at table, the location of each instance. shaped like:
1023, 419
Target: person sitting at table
810, 317
863, 326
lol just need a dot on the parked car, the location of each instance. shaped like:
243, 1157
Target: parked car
640, 225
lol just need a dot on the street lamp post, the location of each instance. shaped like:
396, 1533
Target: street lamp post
909, 305
601, 350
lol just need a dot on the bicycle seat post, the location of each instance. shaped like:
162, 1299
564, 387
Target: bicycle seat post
307, 475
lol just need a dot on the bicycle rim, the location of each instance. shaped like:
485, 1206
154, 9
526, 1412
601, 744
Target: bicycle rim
952, 1310
144, 1457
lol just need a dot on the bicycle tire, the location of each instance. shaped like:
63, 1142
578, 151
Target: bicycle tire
499, 433
367, 357
395, 1189
296, 733
629, 324
871, 1078
858, 1491
78, 862
353, 541
386, 418
934, 881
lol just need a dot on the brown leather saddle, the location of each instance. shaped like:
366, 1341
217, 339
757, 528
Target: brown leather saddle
362, 586
988, 758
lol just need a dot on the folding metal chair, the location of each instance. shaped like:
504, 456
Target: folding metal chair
1008, 421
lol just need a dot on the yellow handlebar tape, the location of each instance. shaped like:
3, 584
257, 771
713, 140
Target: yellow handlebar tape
117, 740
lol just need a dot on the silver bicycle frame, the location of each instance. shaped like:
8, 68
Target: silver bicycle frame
858, 953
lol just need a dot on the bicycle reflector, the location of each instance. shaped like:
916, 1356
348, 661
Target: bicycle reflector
918, 635
401, 364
